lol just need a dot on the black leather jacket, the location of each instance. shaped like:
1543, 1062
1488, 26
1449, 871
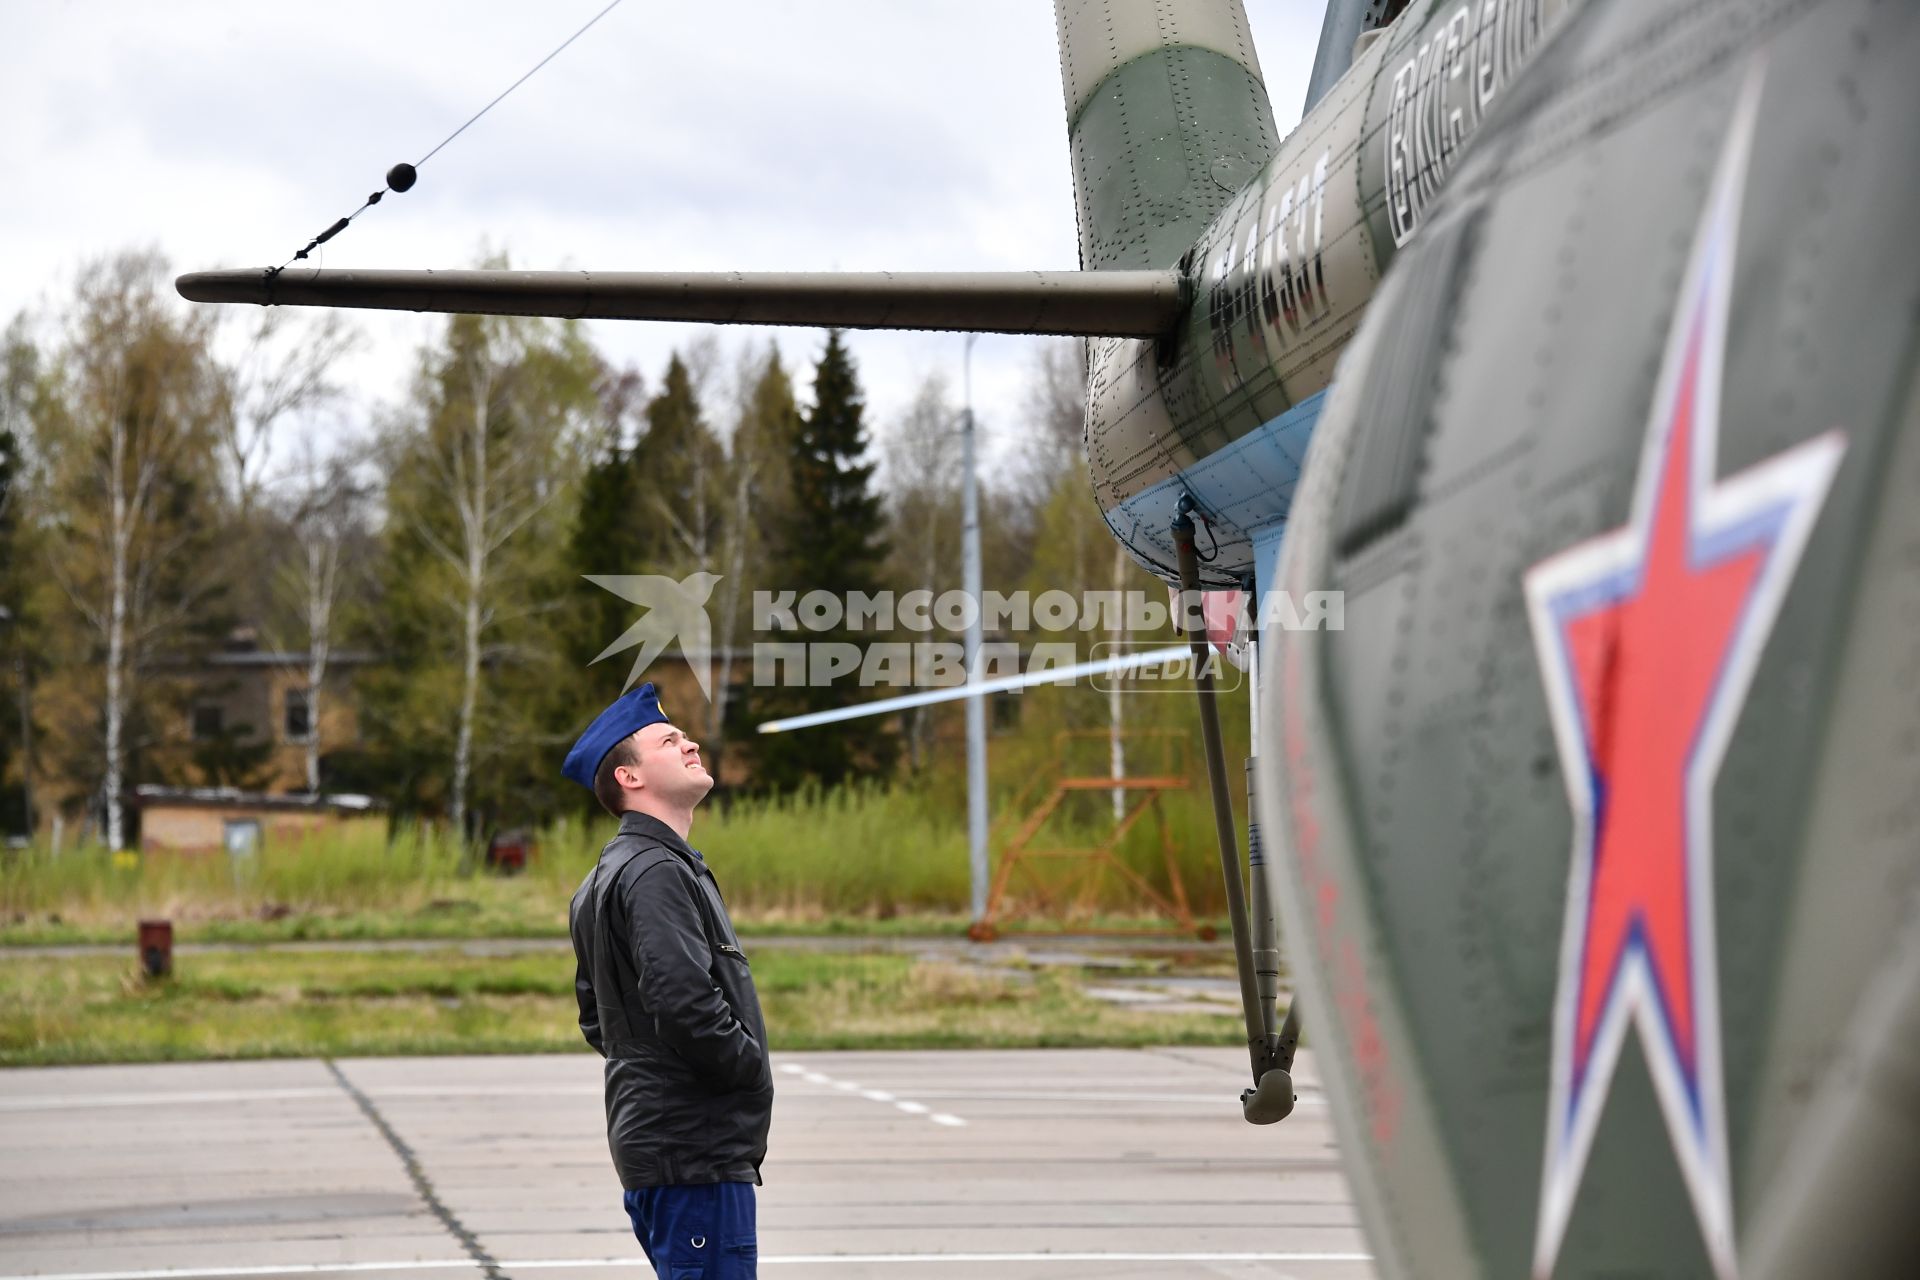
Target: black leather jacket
667, 998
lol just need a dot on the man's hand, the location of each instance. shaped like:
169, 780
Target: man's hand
589, 1007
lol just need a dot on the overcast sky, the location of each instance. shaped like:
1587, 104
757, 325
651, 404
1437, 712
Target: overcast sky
757, 135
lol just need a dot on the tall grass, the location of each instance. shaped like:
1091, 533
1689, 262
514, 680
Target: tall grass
349, 869
861, 852
876, 852
852, 851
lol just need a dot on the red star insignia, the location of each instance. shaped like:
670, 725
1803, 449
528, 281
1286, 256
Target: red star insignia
1648, 637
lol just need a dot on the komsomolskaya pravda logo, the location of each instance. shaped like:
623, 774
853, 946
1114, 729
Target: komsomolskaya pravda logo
675, 611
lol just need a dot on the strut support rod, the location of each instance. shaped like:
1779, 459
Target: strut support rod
1271, 1096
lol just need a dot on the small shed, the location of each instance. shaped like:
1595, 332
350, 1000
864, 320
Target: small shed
228, 820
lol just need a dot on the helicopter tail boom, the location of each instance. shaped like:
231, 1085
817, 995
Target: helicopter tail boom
1167, 119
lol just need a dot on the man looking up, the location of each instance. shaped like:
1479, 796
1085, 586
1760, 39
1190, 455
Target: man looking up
667, 998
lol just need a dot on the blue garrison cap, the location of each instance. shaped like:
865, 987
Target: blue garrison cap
630, 713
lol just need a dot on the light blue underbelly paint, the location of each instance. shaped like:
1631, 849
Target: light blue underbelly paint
1245, 490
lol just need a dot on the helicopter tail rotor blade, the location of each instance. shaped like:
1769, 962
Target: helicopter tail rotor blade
1139, 304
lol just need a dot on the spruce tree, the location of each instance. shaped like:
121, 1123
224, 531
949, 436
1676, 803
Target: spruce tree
835, 536
755, 494
831, 538
605, 535
680, 478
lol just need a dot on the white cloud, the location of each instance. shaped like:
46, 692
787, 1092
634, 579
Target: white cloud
830, 134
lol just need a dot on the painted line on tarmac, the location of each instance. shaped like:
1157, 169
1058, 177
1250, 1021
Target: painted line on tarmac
222, 1097
852, 1090
766, 1260
1312, 1099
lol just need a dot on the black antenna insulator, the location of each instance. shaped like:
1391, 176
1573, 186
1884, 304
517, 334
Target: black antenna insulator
330, 232
400, 177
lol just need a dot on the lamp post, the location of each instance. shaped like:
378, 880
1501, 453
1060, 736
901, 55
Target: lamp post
976, 705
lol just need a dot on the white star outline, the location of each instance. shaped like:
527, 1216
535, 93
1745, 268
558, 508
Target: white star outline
1785, 492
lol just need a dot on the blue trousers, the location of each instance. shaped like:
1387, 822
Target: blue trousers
701, 1232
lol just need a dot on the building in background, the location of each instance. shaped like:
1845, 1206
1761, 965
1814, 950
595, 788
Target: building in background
208, 820
247, 717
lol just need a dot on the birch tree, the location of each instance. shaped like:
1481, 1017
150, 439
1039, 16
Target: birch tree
495, 436
326, 529
282, 367
923, 455
1116, 700
127, 429
1077, 552
1055, 413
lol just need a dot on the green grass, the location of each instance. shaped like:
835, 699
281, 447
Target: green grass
306, 1004
855, 860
